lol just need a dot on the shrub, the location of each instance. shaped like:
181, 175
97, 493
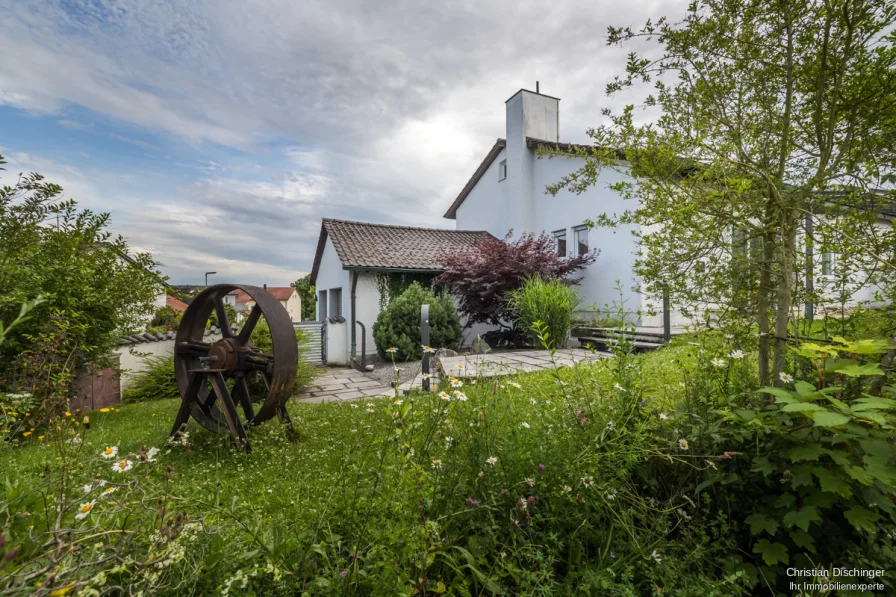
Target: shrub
398, 325
483, 279
551, 302
156, 382
261, 339
165, 318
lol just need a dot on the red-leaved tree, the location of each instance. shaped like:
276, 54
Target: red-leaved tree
483, 278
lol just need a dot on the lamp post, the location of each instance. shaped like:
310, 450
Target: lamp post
207, 275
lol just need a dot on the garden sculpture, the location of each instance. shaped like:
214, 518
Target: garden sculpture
214, 376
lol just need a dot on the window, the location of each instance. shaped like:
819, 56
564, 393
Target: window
739, 242
828, 263
322, 305
502, 170
335, 302
560, 240
581, 238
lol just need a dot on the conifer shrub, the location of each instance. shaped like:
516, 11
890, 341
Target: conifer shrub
398, 325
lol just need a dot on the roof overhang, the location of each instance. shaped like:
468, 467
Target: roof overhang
493, 153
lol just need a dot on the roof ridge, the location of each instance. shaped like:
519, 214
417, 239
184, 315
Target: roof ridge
399, 226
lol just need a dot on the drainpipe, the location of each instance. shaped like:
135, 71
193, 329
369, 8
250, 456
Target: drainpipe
354, 275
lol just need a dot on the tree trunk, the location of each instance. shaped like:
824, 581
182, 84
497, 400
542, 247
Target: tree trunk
762, 304
785, 289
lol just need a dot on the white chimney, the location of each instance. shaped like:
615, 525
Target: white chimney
534, 116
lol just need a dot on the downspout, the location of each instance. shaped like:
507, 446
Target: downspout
354, 275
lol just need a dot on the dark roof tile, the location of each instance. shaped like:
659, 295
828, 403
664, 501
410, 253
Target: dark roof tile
382, 246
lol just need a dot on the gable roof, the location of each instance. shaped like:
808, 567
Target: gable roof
388, 247
281, 293
477, 175
175, 303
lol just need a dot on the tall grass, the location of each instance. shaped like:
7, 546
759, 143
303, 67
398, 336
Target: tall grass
551, 302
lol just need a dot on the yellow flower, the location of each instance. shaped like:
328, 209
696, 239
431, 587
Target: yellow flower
27, 433
61, 592
104, 410
40, 437
68, 414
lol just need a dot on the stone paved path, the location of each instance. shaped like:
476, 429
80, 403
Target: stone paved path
508, 363
337, 385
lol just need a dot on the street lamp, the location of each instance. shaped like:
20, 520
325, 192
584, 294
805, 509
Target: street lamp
207, 275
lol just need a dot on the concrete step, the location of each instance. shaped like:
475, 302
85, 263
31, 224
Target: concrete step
606, 342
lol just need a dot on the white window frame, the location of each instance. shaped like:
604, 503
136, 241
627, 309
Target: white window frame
558, 236
829, 263
502, 170
575, 235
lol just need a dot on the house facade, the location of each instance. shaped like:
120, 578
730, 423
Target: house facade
286, 295
507, 192
352, 264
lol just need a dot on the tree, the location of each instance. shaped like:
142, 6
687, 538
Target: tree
775, 132
398, 325
482, 279
93, 290
308, 294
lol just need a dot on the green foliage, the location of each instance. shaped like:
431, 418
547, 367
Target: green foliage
19, 415
763, 157
93, 290
155, 382
398, 325
167, 318
261, 339
308, 294
229, 311
550, 302
393, 284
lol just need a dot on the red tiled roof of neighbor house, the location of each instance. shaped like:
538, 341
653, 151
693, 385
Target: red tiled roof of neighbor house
281, 293
364, 245
175, 303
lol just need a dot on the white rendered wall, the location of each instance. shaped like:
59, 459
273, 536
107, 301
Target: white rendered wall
331, 276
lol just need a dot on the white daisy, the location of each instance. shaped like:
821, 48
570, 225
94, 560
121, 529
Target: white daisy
398, 402
683, 444
718, 362
448, 439
525, 425
108, 491
85, 510
611, 495
530, 481
492, 460
437, 464
663, 416
609, 424
151, 454
428, 348
353, 405
618, 387
736, 355
460, 396
392, 350
445, 396
523, 503
110, 452
122, 466
566, 489
87, 488
516, 385
456, 383
785, 377
424, 375
655, 557
587, 481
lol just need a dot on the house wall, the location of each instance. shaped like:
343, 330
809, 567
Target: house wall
488, 207
331, 277
293, 306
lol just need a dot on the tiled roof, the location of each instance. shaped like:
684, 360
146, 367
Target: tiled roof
175, 303
281, 293
381, 246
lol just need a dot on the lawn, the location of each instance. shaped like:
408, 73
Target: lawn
628, 476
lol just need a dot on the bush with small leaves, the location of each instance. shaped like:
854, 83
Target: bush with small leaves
398, 325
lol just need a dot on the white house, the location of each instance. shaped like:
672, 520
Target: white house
349, 262
287, 295
507, 192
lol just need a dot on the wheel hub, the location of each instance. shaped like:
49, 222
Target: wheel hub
225, 351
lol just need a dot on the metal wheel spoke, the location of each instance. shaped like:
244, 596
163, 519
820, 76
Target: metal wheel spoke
241, 391
189, 349
222, 318
249, 326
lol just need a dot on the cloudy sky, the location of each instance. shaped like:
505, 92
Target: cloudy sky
218, 133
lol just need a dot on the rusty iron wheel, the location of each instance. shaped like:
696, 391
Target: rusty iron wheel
234, 357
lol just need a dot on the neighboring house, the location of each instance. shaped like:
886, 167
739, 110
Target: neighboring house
287, 295
175, 303
353, 260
